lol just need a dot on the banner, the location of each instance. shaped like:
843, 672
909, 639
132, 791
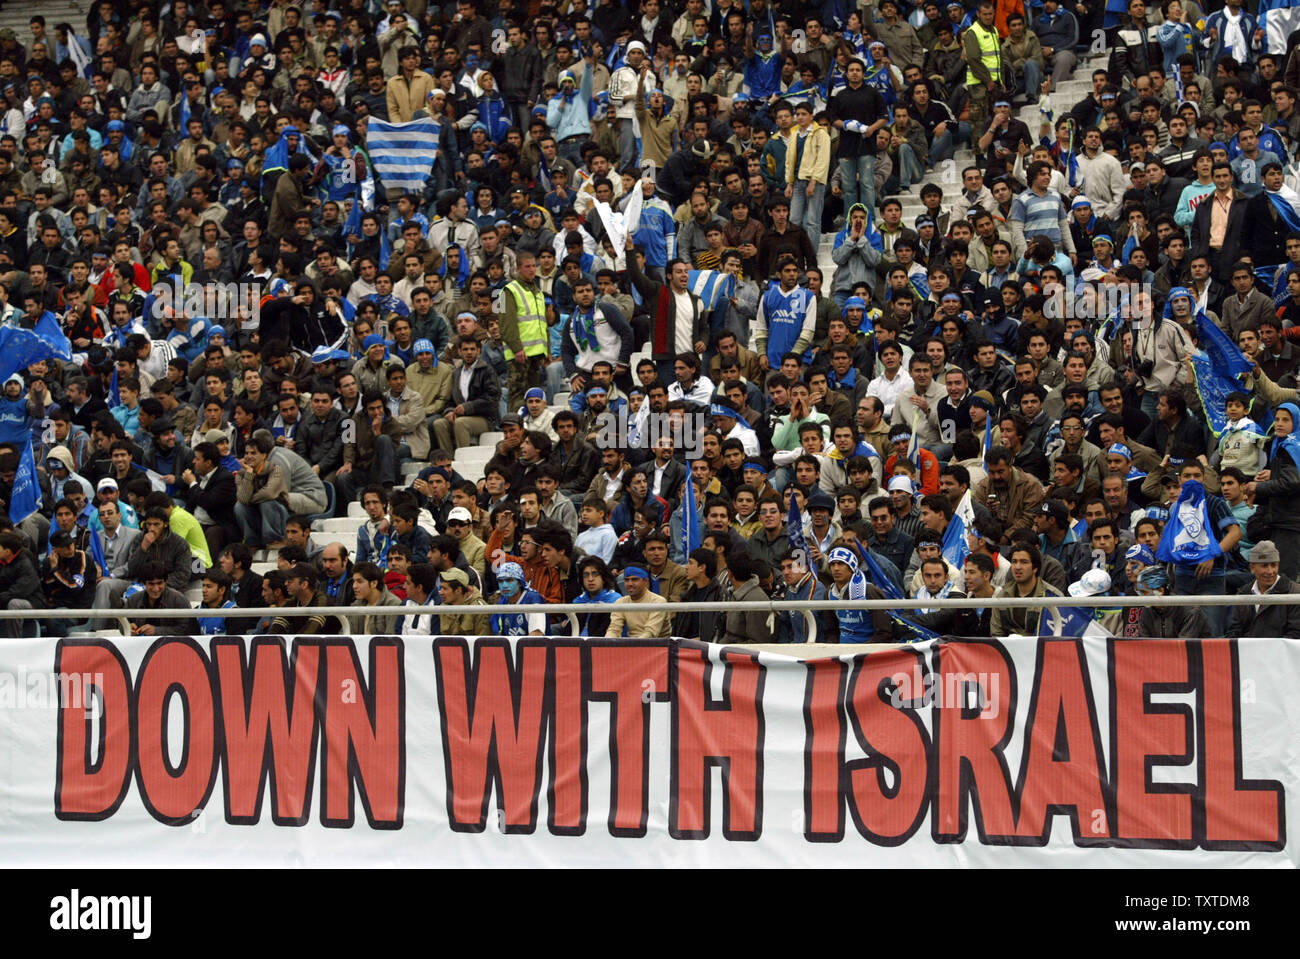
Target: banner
379, 751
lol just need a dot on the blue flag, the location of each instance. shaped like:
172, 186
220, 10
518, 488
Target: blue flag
96, 550
955, 548
20, 348
794, 531
690, 521
1188, 538
1223, 353
26, 497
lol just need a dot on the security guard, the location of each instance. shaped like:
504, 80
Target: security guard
524, 330
983, 50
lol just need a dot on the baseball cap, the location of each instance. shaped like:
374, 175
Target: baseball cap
106, 483
1056, 510
216, 436
511, 571
458, 576
459, 514
1092, 583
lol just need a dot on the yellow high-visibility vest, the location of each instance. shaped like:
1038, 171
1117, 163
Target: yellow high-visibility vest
990, 53
530, 310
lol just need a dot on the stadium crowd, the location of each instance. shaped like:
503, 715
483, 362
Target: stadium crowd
1075, 371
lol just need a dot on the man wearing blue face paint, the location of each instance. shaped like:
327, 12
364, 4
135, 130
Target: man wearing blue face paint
513, 591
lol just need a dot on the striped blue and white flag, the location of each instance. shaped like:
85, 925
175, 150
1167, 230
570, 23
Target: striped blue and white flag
403, 154
712, 286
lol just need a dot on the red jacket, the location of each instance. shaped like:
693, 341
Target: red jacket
929, 470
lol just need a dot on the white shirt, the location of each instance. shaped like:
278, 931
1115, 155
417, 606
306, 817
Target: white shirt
682, 341
701, 393
465, 373
888, 391
421, 625
658, 477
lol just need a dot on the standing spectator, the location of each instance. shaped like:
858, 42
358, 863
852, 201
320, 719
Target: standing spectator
857, 148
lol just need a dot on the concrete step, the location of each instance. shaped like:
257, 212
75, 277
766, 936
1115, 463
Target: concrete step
17, 16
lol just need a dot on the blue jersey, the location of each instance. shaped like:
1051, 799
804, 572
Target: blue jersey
14, 426
519, 624
215, 625
763, 74
785, 314
855, 625
655, 235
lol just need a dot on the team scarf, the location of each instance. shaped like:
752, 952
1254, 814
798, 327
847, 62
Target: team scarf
584, 329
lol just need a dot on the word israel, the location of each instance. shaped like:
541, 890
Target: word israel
508, 720
216, 301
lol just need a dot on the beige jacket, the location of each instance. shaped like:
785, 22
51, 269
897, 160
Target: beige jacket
816, 161
405, 98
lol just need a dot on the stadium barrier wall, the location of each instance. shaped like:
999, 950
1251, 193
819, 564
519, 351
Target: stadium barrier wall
491, 751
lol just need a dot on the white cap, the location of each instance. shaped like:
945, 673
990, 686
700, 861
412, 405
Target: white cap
900, 482
459, 514
636, 45
1092, 583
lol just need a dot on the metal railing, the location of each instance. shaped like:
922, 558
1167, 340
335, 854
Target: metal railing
804, 606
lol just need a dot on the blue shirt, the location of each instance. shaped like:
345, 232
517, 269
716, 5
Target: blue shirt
517, 624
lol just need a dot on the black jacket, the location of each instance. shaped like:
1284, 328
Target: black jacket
576, 468
483, 398
1232, 237
705, 626
218, 498
1266, 238
1276, 496
321, 443
670, 485
1283, 621
19, 579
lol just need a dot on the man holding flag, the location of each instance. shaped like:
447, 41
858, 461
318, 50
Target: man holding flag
1273, 215
1201, 532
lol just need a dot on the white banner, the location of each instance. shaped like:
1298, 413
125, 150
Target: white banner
374, 751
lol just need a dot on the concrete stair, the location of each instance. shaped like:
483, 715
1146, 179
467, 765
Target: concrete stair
1065, 96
